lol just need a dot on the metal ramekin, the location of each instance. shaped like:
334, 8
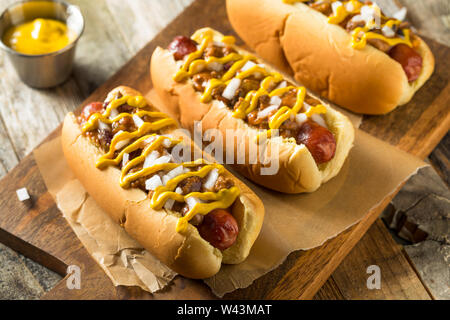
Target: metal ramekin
44, 70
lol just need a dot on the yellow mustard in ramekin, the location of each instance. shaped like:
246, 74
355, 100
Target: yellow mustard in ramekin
39, 36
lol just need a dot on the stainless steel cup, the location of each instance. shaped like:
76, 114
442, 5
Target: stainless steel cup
44, 70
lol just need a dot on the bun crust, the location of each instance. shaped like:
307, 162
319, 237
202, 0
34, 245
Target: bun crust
298, 172
319, 55
186, 253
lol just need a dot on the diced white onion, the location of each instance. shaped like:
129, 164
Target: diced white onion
150, 139
167, 143
271, 117
401, 14
248, 65
388, 32
211, 179
357, 18
275, 101
192, 201
121, 144
153, 183
306, 106
262, 65
317, 118
265, 112
163, 159
349, 6
222, 105
179, 190
176, 172
232, 87
125, 159
169, 204
172, 174
219, 44
150, 159
197, 68
215, 66
22, 194
292, 117
368, 13
114, 113
137, 121
335, 5
283, 84
300, 118
103, 126
186, 170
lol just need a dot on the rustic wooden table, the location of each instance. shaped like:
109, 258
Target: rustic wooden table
113, 34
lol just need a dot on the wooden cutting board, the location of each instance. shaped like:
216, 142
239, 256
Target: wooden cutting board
38, 230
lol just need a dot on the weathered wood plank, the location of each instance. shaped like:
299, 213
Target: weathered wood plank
420, 214
389, 7
439, 158
141, 20
16, 275
102, 49
431, 17
22, 111
398, 279
329, 291
8, 157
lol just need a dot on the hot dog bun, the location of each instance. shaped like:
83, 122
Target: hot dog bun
187, 253
298, 171
299, 40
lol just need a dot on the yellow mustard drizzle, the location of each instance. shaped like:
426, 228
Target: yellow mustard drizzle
250, 101
359, 42
222, 199
360, 35
149, 141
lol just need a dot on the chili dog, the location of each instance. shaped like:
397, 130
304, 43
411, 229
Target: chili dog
208, 78
346, 51
193, 214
